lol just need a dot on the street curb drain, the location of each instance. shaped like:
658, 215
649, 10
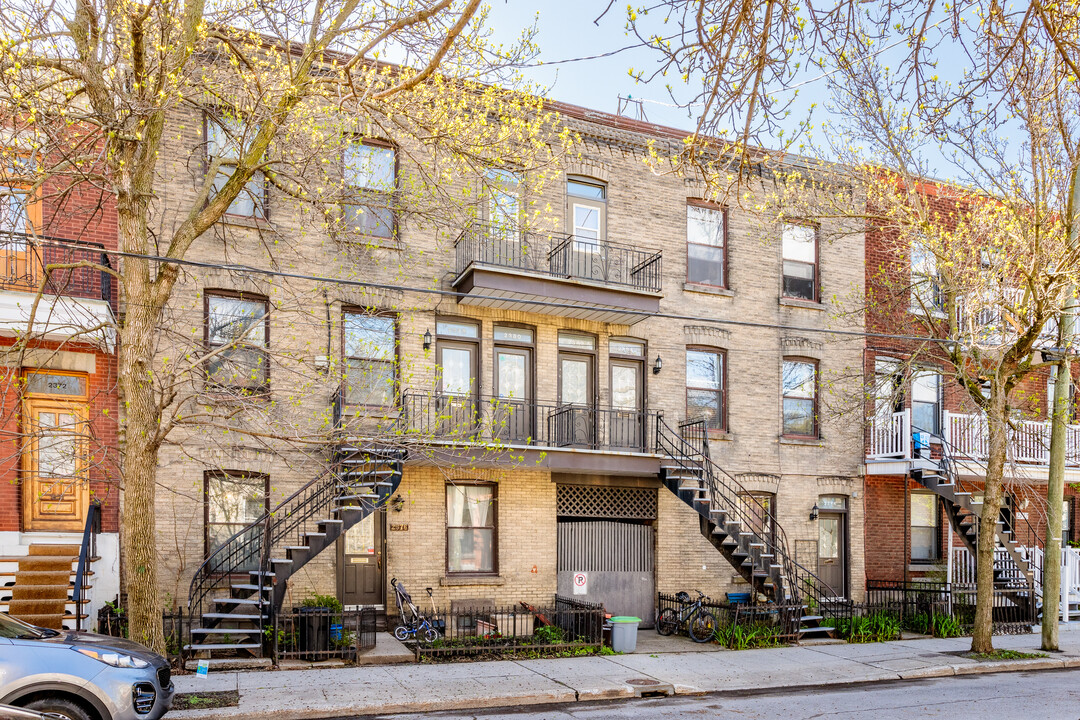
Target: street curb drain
650, 688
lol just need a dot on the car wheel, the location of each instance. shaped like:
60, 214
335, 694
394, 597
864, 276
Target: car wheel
60, 706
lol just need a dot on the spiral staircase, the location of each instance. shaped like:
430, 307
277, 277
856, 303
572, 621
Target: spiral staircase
745, 531
242, 584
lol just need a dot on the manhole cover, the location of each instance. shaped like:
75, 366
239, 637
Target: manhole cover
642, 681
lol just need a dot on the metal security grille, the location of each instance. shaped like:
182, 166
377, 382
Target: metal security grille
599, 546
590, 501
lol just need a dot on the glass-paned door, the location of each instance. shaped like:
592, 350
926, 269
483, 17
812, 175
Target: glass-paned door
360, 565
55, 464
626, 428
455, 402
512, 409
832, 552
575, 418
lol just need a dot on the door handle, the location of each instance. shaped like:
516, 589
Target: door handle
378, 560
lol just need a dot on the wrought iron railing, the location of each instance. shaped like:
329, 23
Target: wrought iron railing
24, 258
689, 448
87, 554
1014, 610
562, 256
494, 421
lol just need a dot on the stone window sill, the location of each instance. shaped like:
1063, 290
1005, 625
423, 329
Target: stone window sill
461, 580
721, 435
248, 222
807, 304
809, 442
932, 566
708, 289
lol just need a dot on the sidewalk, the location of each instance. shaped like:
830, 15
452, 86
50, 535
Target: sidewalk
327, 693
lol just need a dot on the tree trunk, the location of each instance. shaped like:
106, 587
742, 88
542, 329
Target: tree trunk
997, 419
1055, 491
142, 416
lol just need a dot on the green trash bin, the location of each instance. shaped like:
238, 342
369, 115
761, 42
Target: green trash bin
624, 633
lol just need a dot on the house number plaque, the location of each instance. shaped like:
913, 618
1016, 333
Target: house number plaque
400, 528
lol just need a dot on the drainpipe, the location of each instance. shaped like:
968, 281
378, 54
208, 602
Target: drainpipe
1055, 488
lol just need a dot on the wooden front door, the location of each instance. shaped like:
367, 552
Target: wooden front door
361, 562
55, 453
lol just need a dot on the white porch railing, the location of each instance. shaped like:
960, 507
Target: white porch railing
890, 436
1029, 441
962, 571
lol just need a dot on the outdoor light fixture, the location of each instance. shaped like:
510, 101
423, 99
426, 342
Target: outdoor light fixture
427, 339
813, 512
397, 504
657, 365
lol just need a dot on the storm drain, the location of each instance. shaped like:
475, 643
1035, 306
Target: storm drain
649, 688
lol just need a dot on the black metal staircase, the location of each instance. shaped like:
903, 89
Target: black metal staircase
238, 588
958, 501
744, 530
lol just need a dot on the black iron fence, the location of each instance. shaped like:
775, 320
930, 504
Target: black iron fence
510, 421
564, 625
24, 259
949, 609
739, 626
562, 256
112, 620
315, 634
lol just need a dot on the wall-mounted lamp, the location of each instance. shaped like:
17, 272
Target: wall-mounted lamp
814, 512
397, 504
427, 339
657, 365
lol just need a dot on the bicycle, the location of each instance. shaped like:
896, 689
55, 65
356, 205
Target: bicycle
700, 623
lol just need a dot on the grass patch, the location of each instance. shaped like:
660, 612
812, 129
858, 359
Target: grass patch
206, 700
1004, 655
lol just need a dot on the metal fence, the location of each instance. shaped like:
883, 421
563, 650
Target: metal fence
315, 634
112, 620
24, 259
566, 624
918, 603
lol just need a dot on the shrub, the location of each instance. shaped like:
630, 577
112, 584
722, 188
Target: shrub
744, 637
876, 627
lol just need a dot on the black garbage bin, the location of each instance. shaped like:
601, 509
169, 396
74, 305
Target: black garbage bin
314, 631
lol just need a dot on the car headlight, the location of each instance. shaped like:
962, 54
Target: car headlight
118, 660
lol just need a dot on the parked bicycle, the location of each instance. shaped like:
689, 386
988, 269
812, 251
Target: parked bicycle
700, 623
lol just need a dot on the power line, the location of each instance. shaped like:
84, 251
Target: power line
538, 303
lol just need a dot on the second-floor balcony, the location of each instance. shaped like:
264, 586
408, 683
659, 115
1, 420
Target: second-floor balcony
78, 297
967, 438
506, 267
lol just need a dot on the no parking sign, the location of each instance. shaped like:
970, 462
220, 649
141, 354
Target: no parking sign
581, 583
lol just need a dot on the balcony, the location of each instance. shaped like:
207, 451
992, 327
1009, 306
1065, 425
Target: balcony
76, 301
508, 268
968, 439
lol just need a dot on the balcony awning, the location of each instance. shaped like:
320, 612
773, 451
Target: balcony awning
508, 289
58, 318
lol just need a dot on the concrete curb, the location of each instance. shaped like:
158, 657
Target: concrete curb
569, 695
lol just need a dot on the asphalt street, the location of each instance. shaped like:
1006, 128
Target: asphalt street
1044, 695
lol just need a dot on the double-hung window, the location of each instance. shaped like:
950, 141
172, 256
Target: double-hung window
706, 243
237, 333
370, 359
800, 384
233, 501
924, 527
370, 175
227, 139
800, 262
705, 387
470, 528
926, 293
926, 401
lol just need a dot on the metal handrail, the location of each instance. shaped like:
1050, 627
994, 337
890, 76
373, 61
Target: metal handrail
26, 256
87, 551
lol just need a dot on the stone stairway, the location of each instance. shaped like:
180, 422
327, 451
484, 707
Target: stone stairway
750, 539
239, 587
38, 587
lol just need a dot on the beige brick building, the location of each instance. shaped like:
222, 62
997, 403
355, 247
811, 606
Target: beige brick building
560, 332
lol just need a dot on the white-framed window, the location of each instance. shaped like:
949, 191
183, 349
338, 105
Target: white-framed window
800, 262
705, 387
925, 527
926, 292
370, 359
926, 401
587, 206
706, 245
800, 385
237, 333
227, 138
370, 175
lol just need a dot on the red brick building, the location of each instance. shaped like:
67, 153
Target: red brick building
59, 443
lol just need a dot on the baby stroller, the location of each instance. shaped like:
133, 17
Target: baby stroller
412, 622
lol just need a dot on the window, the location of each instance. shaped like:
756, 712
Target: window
503, 204
926, 293
800, 262
587, 206
1051, 383
706, 230
926, 401
370, 359
470, 528
237, 334
227, 138
924, 527
800, 398
370, 175
232, 501
705, 387
1066, 521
